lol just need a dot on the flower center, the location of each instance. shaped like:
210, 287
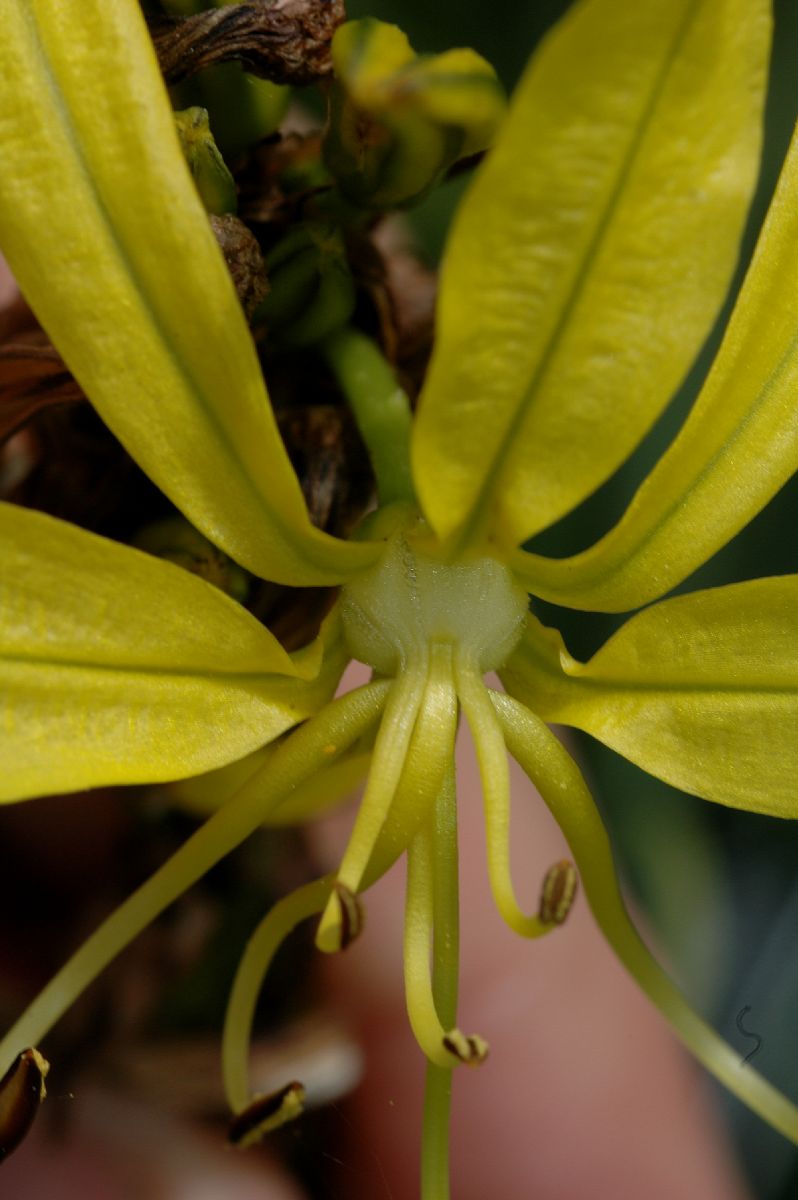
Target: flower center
412, 600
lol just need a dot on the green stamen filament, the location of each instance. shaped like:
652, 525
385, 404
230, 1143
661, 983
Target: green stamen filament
261, 948
444, 1048
302, 753
560, 783
428, 759
390, 751
495, 776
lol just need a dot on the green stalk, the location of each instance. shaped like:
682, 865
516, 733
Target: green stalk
380, 407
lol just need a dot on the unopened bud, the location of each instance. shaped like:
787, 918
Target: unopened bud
208, 169
311, 290
175, 540
399, 120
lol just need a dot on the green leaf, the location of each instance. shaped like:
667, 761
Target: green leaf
700, 690
117, 667
589, 259
738, 446
103, 228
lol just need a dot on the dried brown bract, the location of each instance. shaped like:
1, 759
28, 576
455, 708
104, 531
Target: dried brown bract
33, 376
244, 260
287, 41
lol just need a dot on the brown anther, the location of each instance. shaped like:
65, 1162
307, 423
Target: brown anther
558, 893
352, 915
471, 1050
266, 1113
21, 1092
287, 41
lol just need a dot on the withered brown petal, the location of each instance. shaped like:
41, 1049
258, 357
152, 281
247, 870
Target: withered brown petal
32, 377
244, 260
21, 1092
286, 41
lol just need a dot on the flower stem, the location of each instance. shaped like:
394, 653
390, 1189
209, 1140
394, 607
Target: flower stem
438, 1087
303, 752
380, 407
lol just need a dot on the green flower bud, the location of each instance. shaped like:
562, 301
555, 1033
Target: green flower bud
312, 292
177, 541
209, 170
398, 120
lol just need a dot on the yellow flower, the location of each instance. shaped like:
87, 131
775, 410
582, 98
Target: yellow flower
585, 268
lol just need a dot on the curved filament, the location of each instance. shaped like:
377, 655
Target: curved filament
494, 773
560, 783
252, 969
390, 751
443, 1047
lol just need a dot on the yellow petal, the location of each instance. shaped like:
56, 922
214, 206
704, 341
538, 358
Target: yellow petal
700, 690
103, 228
117, 667
590, 257
738, 446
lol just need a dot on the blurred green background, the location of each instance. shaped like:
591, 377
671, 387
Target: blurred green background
719, 887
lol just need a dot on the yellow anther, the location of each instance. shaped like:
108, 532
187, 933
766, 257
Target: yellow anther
266, 1113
